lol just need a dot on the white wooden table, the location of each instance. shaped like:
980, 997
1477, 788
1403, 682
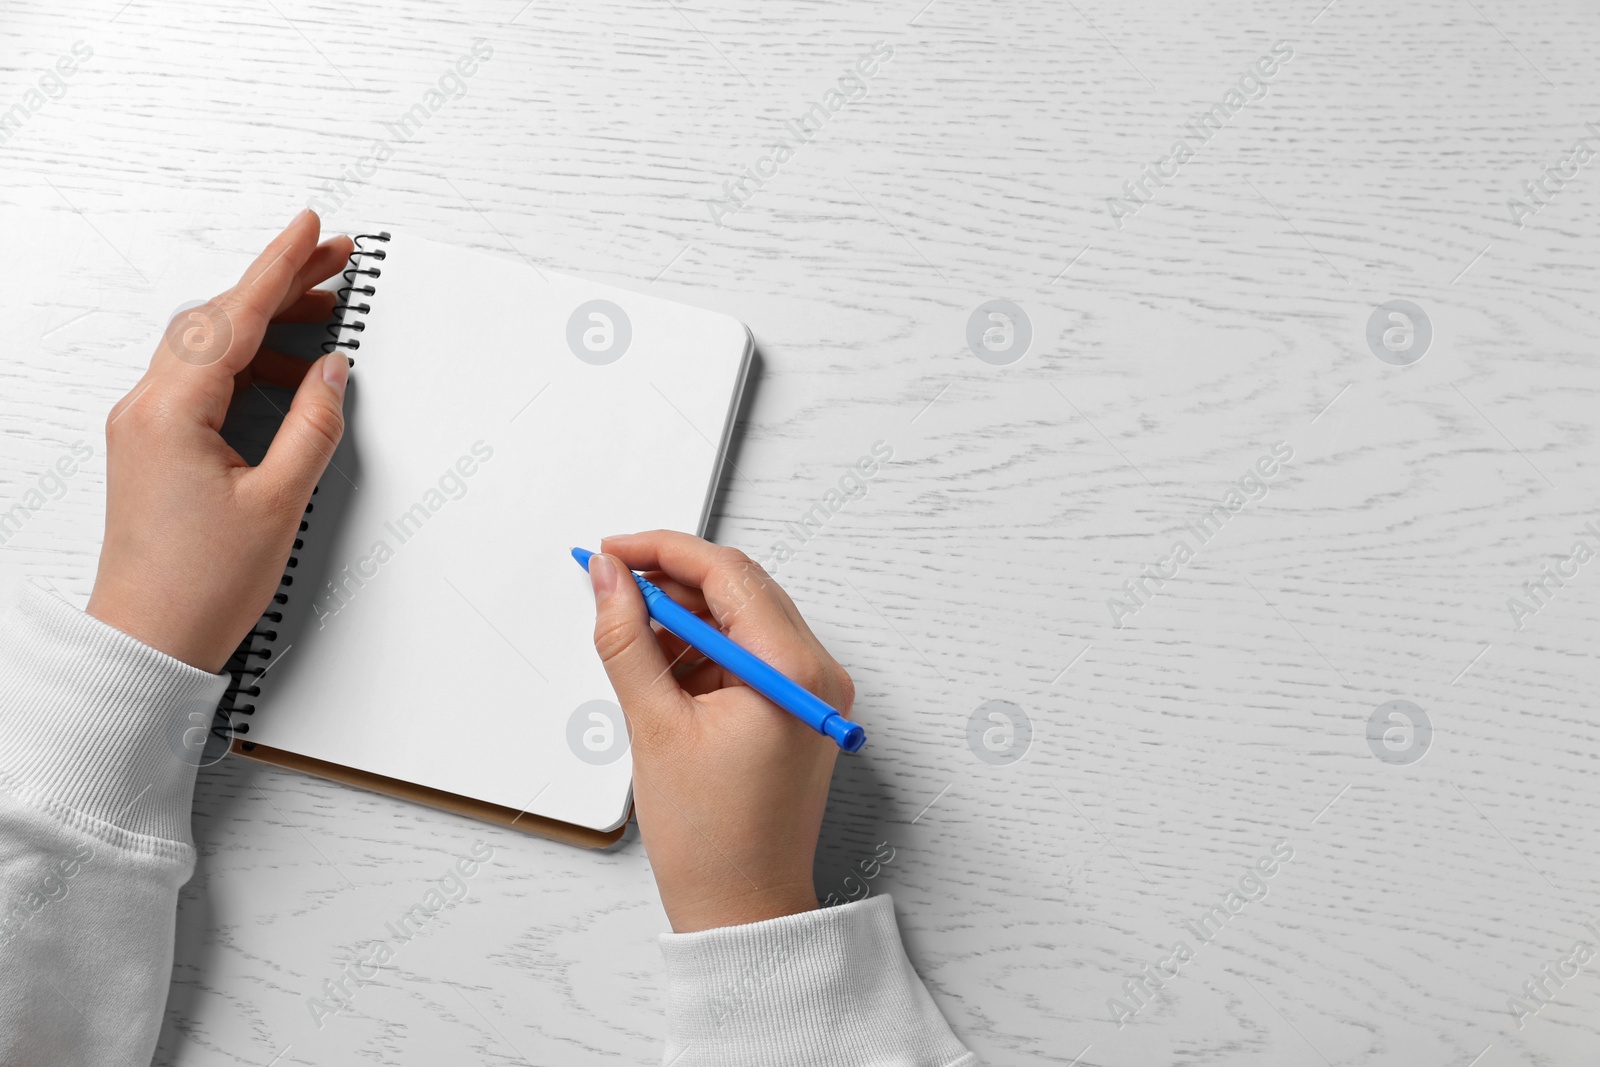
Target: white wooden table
1229, 313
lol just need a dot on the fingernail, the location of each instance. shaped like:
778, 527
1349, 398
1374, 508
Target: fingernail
303, 213
603, 574
336, 371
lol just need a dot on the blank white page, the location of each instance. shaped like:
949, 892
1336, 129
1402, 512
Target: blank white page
437, 629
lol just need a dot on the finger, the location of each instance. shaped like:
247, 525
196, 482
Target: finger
314, 305
302, 233
326, 260
681, 656
745, 601
242, 313
687, 595
310, 432
634, 661
271, 367
737, 591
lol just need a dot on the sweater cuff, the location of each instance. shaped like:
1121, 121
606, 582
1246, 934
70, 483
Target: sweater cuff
93, 722
829, 986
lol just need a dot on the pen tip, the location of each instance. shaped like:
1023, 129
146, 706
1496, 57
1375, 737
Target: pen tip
582, 556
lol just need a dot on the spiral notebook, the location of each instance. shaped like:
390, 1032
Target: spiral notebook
432, 636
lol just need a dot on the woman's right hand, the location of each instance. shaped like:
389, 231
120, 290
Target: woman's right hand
729, 789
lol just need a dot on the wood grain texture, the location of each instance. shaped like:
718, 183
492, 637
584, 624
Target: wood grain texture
1227, 315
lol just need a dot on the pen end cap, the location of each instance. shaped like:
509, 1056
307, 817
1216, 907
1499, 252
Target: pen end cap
849, 735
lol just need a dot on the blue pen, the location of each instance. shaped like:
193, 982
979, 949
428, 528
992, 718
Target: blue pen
743, 664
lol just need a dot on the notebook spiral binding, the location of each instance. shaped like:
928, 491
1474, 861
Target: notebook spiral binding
348, 310
253, 657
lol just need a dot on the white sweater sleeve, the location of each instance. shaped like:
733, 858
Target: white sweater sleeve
823, 987
97, 767
98, 737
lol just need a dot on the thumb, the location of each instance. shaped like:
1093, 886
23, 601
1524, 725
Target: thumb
312, 429
634, 662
